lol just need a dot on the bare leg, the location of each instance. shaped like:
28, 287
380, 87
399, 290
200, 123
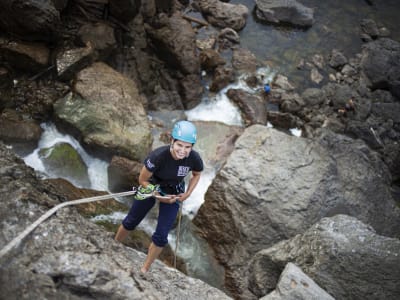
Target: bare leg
153, 253
122, 233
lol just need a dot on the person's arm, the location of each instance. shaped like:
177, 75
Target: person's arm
144, 178
194, 180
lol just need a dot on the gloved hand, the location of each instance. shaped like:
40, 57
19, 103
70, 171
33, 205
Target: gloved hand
146, 192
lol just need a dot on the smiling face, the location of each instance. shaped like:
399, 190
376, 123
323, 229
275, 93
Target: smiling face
180, 149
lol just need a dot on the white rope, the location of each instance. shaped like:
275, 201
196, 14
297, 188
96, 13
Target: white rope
44, 217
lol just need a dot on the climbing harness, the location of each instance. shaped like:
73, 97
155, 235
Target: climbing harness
45, 216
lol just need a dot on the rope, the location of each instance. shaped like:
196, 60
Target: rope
44, 217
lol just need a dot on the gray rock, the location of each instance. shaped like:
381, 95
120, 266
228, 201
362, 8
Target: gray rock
341, 254
100, 36
71, 61
224, 15
243, 60
369, 27
31, 19
337, 59
15, 129
108, 114
176, 43
313, 96
253, 107
386, 111
211, 59
26, 56
69, 257
295, 285
284, 12
123, 174
62, 160
222, 76
380, 62
274, 186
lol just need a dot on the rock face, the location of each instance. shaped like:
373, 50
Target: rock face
343, 255
30, 19
29, 57
13, 129
222, 14
107, 112
175, 41
294, 284
252, 106
62, 160
69, 257
284, 12
381, 64
274, 186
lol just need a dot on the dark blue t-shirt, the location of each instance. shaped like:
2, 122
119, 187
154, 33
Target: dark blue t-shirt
170, 172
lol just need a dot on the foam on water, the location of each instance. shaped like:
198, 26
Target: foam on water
97, 168
220, 108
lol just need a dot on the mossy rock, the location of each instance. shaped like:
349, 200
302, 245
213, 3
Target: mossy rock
62, 160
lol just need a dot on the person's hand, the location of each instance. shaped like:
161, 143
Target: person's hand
167, 198
173, 199
182, 197
146, 192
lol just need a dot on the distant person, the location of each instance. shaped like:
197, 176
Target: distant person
163, 173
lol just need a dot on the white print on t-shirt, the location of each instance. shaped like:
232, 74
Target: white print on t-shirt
149, 164
183, 171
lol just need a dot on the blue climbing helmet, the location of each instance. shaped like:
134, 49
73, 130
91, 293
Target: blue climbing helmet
184, 131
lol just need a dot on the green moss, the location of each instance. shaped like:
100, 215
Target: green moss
64, 161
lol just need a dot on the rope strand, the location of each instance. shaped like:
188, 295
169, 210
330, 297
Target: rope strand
45, 216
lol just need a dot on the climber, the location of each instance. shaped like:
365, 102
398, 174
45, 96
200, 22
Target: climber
267, 88
163, 173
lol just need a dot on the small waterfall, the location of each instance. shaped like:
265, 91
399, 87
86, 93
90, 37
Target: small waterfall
97, 168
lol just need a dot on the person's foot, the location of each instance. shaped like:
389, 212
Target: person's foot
143, 270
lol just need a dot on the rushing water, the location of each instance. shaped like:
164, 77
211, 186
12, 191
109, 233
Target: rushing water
97, 168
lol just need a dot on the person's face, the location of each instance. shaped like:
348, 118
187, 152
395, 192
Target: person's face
180, 149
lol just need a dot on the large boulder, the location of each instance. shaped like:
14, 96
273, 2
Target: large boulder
341, 254
284, 12
175, 41
15, 129
274, 186
224, 15
30, 19
252, 106
380, 62
107, 112
68, 256
29, 57
62, 160
123, 174
294, 284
